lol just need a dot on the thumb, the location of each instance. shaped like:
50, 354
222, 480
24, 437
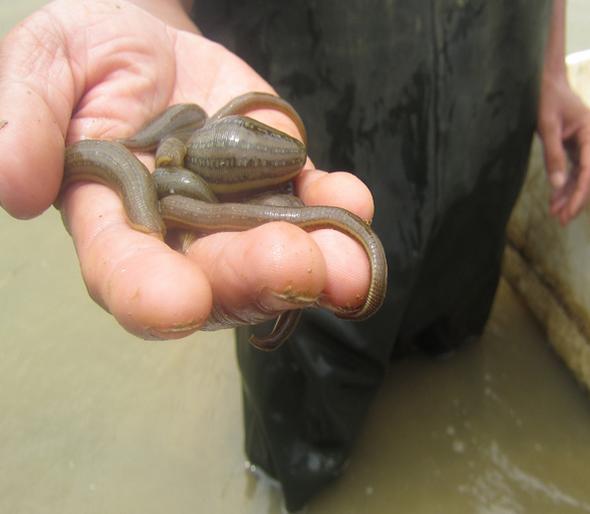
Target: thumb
555, 156
36, 99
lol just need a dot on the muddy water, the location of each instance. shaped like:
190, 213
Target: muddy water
499, 427
95, 421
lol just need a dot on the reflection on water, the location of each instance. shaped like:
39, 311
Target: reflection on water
507, 476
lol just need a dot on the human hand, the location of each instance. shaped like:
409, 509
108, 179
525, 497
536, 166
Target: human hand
101, 69
564, 127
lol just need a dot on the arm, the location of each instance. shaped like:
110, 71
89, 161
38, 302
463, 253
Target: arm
564, 127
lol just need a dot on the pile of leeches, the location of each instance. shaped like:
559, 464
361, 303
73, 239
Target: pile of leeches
201, 160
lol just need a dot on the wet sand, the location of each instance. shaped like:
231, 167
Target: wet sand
96, 421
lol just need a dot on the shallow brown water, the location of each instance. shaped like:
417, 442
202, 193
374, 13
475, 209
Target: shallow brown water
498, 427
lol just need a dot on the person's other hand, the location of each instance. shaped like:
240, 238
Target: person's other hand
101, 69
564, 127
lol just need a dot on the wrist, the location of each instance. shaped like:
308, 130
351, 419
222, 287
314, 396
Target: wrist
554, 62
172, 12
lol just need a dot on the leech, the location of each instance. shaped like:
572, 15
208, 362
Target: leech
170, 153
283, 328
179, 121
258, 100
111, 164
182, 212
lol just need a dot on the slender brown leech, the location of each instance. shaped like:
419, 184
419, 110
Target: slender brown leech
170, 152
194, 214
257, 100
283, 328
179, 121
180, 181
111, 164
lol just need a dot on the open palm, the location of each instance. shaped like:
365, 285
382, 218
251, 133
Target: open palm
101, 69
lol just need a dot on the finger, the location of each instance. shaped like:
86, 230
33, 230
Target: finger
582, 187
258, 273
348, 270
349, 273
343, 282
554, 155
36, 98
558, 201
338, 189
152, 291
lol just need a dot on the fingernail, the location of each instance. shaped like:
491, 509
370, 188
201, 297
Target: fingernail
558, 179
174, 332
341, 309
273, 301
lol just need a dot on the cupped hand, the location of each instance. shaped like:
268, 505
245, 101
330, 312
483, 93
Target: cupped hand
101, 69
564, 127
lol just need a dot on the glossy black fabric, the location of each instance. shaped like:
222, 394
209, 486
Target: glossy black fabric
432, 104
